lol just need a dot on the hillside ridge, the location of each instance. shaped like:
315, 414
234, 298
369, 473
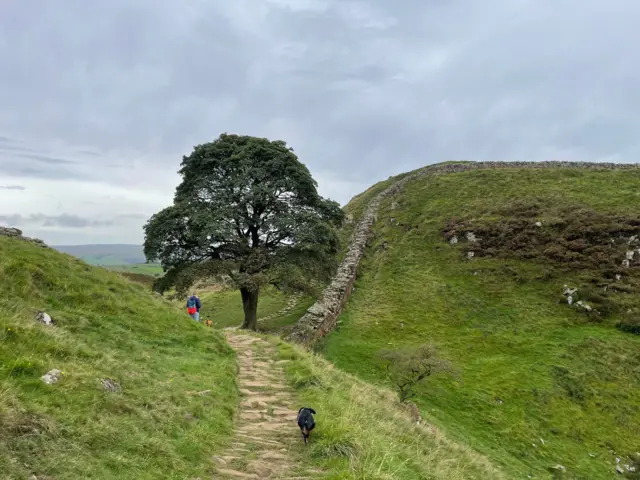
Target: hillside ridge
321, 317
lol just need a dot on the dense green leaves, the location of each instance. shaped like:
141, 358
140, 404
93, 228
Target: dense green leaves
247, 208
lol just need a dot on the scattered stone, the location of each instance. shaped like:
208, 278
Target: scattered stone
619, 469
453, 240
626, 263
110, 385
470, 255
43, 317
394, 205
538, 224
570, 300
559, 467
569, 291
618, 277
51, 377
471, 237
632, 239
592, 455
630, 254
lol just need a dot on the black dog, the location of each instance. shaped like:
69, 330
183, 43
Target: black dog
306, 422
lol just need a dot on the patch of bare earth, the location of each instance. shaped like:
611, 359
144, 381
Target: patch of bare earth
267, 442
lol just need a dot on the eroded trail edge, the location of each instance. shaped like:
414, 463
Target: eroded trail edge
266, 440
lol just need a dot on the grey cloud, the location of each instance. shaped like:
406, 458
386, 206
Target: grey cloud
62, 220
360, 89
12, 187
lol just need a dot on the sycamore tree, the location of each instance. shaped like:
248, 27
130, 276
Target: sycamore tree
249, 210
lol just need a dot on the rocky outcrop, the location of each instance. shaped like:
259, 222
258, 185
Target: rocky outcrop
17, 233
321, 317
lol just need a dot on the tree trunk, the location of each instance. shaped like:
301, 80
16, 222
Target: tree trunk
250, 307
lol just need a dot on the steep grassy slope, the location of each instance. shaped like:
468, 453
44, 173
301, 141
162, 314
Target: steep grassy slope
177, 390
540, 382
363, 433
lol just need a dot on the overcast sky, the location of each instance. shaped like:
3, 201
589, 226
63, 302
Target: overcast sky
100, 100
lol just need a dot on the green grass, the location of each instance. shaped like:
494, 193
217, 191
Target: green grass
153, 269
156, 426
363, 433
531, 370
224, 306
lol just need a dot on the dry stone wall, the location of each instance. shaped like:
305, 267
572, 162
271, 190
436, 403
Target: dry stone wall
321, 317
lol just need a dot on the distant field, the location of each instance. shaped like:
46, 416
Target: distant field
105, 255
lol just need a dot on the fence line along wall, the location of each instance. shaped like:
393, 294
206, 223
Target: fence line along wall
321, 317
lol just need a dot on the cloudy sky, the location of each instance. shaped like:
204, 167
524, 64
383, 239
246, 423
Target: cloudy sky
100, 100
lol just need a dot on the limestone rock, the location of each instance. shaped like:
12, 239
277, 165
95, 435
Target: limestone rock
453, 240
110, 385
44, 317
471, 237
538, 224
51, 377
470, 255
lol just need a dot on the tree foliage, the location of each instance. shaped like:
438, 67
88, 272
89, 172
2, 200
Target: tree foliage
249, 209
407, 368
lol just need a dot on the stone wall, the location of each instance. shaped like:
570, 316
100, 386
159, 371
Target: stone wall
17, 233
321, 317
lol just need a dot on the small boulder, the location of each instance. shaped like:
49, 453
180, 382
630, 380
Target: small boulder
44, 317
538, 224
453, 240
471, 237
470, 255
110, 385
51, 377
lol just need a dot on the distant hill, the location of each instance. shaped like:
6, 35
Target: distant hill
106, 254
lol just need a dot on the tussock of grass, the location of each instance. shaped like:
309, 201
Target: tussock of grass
363, 433
541, 383
177, 393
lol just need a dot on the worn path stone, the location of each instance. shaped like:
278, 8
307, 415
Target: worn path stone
267, 441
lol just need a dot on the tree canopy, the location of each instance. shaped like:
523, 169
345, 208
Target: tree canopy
246, 208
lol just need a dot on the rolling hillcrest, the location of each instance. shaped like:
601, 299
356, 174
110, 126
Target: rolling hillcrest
527, 280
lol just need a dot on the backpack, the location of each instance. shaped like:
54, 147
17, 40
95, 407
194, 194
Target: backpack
191, 305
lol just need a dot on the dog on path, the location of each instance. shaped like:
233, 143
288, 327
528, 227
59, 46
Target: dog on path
208, 323
306, 421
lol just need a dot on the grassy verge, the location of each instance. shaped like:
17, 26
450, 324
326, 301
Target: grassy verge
363, 433
224, 306
540, 383
176, 393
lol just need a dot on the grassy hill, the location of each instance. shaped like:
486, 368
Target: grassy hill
107, 254
173, 390
540, 383
176, 392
